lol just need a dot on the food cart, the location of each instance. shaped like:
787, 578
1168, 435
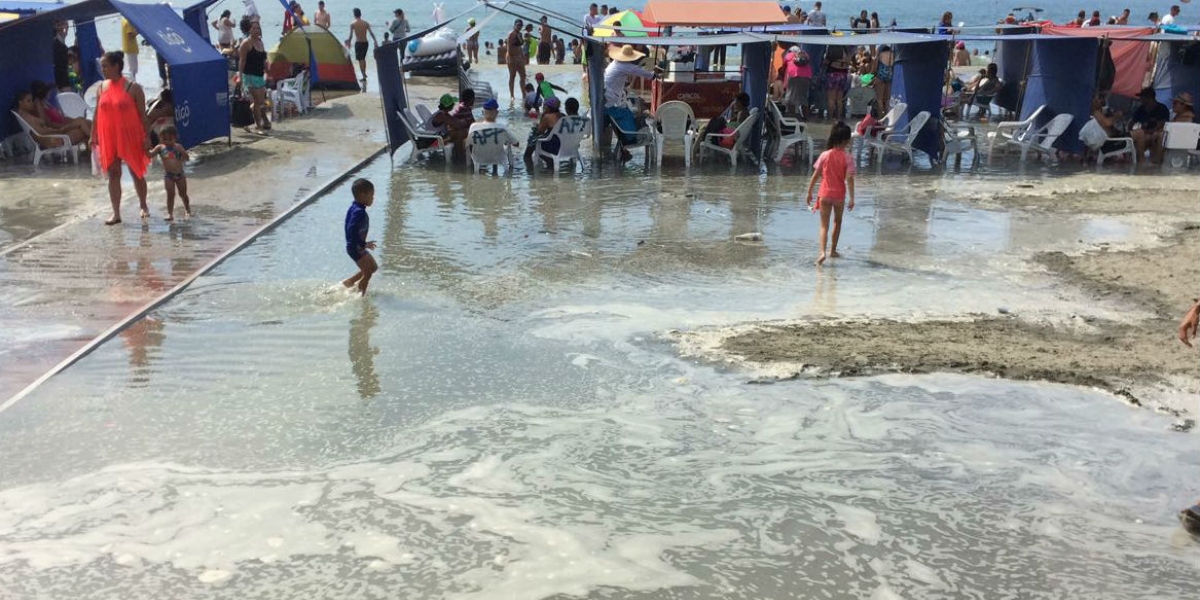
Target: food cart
707, 92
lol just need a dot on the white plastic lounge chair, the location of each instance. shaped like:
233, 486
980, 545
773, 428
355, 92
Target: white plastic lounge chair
1180, 141
1042, 140
1126, 147
570, 131
899, 140
66, 150
677, 122
73, 105
437, 143
486, 149
741, 137
792, 132
425, 114
1008, 130
646, 137
888, 122
292, 91
957, 139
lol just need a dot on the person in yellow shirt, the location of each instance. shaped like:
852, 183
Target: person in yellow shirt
129, 45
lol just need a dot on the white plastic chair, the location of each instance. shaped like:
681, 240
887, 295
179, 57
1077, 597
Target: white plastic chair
487, 147
741, 139
1126, 147
425, 114
677, 120
792, 132
66, 150
569, 130
73, 105
1180, 141
646, 137
888, 122
957, 139
899, 140
294, 91
1042, 140
1008, 130
419, 133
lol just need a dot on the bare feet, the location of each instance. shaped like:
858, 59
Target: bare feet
145, 214
169, 217
835, 254
187, 214
820, 260
113, 221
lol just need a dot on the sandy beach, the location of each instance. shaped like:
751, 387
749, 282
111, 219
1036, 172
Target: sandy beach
1138, 360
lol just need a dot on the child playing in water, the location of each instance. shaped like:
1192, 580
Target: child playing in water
357, 224
835, 169
173, 155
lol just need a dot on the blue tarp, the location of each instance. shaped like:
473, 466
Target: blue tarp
1012, 65
1063, 77
198, 73
199, 78
917, 80
1177, 70
391, 93
756, 59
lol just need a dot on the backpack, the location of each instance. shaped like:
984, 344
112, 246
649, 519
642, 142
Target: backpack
800, 59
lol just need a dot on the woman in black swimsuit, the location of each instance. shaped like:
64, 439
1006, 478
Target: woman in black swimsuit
252, 67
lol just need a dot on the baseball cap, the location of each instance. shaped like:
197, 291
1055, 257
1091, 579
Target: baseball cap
491, 104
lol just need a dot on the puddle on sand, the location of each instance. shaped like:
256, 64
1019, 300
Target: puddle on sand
497, 420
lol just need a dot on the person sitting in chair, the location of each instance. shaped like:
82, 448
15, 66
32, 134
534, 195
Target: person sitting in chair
1148, 120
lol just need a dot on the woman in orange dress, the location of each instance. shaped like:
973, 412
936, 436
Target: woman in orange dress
119, 133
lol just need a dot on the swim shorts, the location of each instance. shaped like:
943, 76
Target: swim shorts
254, 82
837, 80
360, 50
355, 253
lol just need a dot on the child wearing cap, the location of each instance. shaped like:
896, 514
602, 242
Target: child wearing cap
545, 89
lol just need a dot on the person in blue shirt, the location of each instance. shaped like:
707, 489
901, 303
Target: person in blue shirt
357, 224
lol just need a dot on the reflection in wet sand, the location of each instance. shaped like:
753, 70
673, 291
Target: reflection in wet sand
362, 353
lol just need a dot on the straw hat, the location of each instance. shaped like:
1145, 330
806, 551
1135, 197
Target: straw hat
1184, 99
625, 53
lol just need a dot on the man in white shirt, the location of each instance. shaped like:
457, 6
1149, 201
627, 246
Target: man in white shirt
1169, 18
593, 17
816, 18
616, 77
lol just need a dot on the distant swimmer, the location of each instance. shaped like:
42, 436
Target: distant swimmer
357, 224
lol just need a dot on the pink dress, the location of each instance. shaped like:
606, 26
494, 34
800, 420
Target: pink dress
120, 133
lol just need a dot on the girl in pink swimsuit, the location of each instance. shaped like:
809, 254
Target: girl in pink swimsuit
835, 170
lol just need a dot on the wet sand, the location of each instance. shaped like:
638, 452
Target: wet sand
66, 277
1139, 360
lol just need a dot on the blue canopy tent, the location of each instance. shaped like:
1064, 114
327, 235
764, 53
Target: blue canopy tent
1177, 69
1062, 77
1012, 65
920, 64
198, 72
196, 16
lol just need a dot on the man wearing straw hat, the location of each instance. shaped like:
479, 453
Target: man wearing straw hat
616, 77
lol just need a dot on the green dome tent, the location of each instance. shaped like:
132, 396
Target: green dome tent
334, 69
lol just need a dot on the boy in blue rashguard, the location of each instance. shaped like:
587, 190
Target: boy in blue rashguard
357, 224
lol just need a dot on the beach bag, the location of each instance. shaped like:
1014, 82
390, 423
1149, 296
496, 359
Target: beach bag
240, 114
1093, 135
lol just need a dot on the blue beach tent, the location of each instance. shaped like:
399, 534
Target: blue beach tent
196, 16
198, 72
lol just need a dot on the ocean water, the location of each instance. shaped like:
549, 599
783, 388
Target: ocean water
504, 415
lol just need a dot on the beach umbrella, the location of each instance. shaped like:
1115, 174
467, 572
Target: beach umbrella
627, 23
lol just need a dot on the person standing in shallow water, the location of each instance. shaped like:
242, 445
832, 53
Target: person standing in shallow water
835, 170
119, 133
357, 225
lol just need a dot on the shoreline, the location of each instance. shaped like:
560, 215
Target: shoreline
1139, 360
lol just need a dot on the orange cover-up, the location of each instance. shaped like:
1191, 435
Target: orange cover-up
120, 133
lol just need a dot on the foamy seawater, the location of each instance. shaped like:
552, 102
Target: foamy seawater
502, 417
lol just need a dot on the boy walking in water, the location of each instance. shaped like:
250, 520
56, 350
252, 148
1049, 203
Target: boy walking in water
357, 224
835, 170
359, 30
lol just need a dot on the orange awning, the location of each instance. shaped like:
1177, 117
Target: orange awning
714, 13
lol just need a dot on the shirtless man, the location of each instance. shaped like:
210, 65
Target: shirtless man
358, 31
515, 58
322, 17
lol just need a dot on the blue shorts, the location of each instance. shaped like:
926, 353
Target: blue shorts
355, 254
254, 82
